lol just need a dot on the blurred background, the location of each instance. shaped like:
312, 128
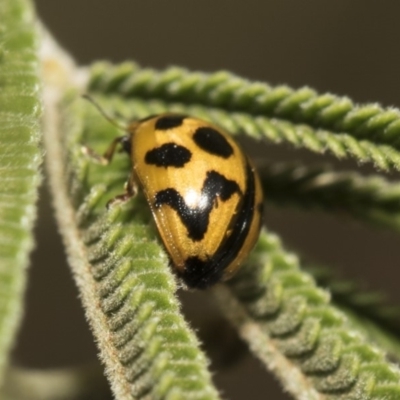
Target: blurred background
344, 47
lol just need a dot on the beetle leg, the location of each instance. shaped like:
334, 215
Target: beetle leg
130, 191
106, 158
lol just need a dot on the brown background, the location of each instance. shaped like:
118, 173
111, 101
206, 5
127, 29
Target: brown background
345, 47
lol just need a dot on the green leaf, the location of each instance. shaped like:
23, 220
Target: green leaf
289, 324
373, 199
302, 118
20, 158
370, 310
122, 272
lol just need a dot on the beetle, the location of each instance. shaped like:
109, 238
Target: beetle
203, 191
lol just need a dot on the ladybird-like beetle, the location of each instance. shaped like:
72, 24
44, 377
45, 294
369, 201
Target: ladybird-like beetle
203, 192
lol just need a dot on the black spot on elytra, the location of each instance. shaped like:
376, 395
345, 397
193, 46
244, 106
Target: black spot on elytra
169, 121
203, 274
168, 155
213, 142
196, 219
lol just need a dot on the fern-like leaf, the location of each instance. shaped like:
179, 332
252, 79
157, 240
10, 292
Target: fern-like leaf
372, 199
302, 118
313, 347
20, 159
122, 271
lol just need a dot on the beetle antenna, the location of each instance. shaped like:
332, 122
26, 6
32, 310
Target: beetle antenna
102, 112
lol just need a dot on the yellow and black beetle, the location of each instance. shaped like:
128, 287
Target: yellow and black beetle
203, 192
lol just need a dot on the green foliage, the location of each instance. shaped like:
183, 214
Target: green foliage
372, 199
322, 345
326, 350
275, 305
278, 114
149, 350
20, 158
